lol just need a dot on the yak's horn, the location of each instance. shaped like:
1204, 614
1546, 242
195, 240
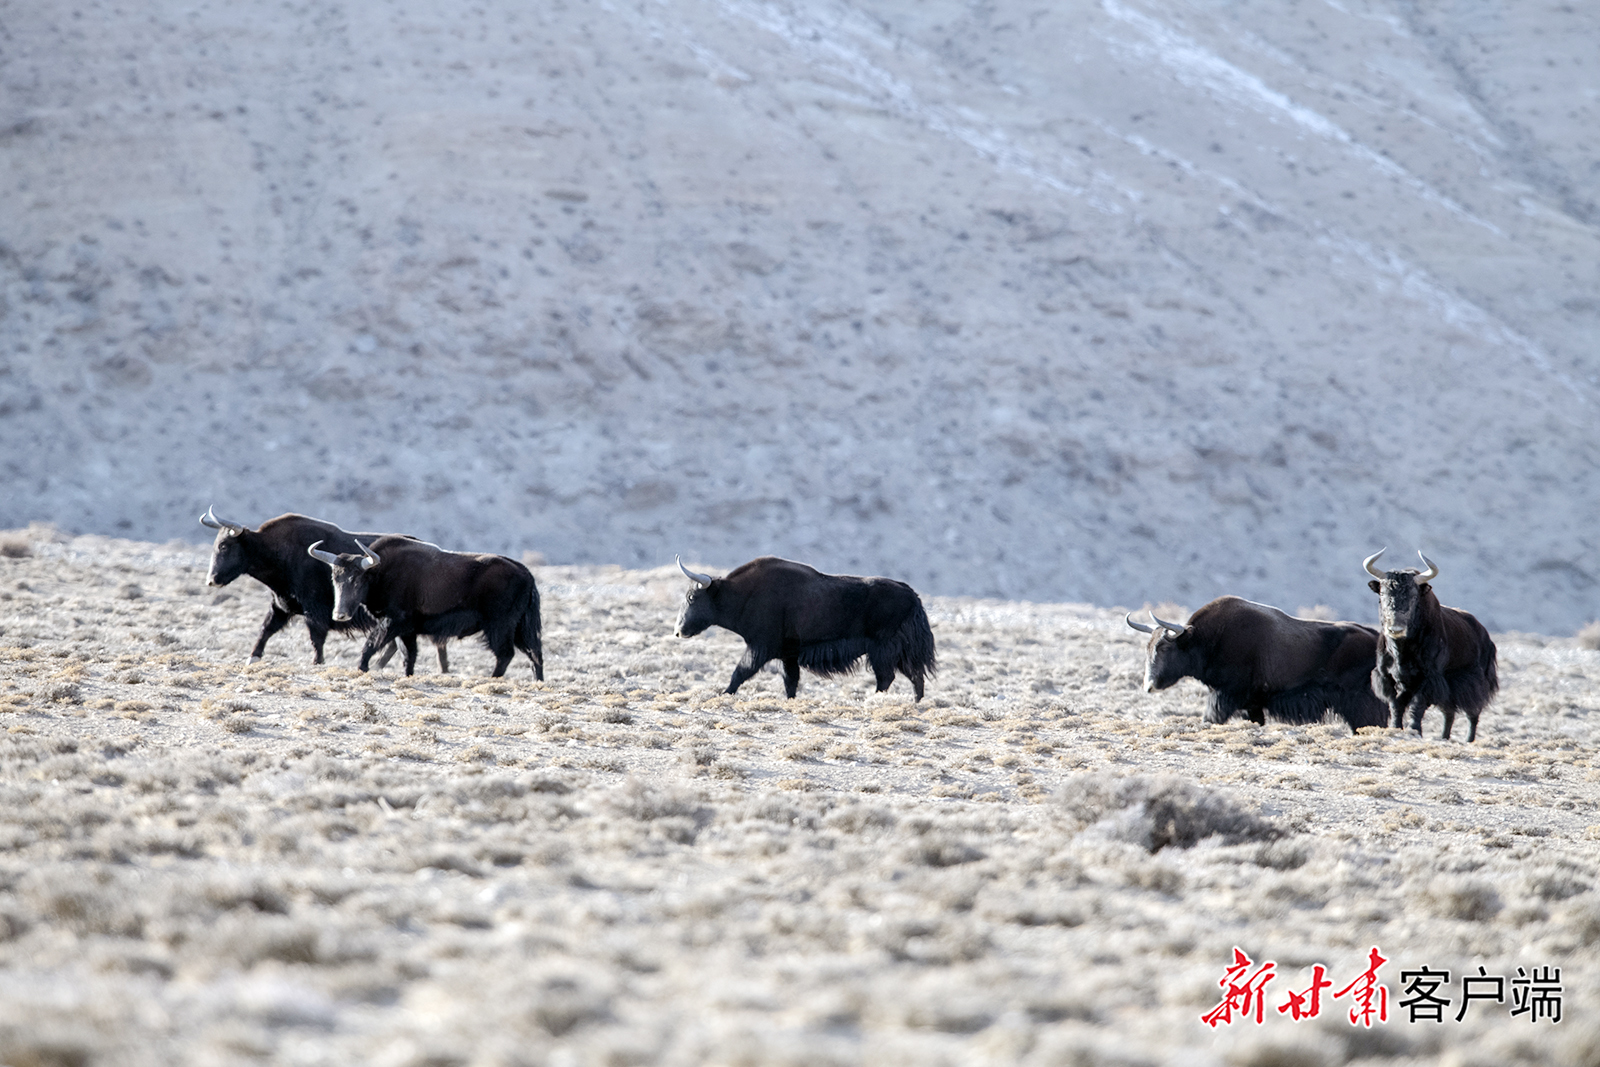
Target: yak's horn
1141, 627
369, 558
1174, 627
326, 557
210, 519
702, 580
1370, 560
1432, 572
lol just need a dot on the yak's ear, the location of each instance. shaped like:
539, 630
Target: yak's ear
1374, 586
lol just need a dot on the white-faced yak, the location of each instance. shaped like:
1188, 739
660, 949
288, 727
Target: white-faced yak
1430, 655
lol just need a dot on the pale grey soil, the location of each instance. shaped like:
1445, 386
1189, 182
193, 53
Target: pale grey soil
1094, 300
203, 862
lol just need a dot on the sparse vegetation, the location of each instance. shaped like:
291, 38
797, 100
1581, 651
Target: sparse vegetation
312, 852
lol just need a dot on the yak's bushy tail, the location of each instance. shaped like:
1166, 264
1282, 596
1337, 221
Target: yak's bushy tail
911, 648
1472, 689
528, 633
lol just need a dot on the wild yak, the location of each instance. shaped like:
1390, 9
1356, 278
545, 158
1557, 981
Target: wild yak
275, 556
410, 587
1430, 654
1260, 661
823, 622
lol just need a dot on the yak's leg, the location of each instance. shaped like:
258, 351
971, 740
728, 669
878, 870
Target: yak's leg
502, 659
1398, 703
1449, 721
376, 637
276, 620
1258, 715
1472, 726
318, 634
410, 641
916, 681
746, 669
388, 654
1219, 706
882, 667
1414, 711
884, 673
791, 674
444, 657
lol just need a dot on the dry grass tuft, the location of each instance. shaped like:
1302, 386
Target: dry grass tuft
1160, 811
1464, 898
641, 799
523, 876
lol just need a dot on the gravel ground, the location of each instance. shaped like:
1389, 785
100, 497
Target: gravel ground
204, 862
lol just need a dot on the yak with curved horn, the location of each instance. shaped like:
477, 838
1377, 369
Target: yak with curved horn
274, 555
1430, 655
824, 622
397, 588
1257, 660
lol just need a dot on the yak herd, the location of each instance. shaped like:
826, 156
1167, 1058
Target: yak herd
1252, 658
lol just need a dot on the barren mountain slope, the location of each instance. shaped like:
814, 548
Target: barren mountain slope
1093, 301
204, 862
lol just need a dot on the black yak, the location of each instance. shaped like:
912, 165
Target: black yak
823, 622
410, 587
275, 556
1430, 654
1260, 661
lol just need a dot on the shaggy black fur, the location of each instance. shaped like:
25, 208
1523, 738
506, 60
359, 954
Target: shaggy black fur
1430, 656
1259, 662
275, 555
823, 622
420, 589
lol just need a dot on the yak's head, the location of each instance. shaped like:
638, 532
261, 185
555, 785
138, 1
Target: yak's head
1166, 654
699, 609
1401, 595
350, 578
228, 559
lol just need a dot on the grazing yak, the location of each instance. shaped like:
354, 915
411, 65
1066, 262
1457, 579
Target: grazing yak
410, 587
1430, 654
275, 556
823, 622
1257, 660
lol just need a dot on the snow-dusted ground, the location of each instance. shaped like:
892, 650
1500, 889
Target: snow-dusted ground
1093, 301
211, 863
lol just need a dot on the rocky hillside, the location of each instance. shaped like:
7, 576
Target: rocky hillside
1110, 302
